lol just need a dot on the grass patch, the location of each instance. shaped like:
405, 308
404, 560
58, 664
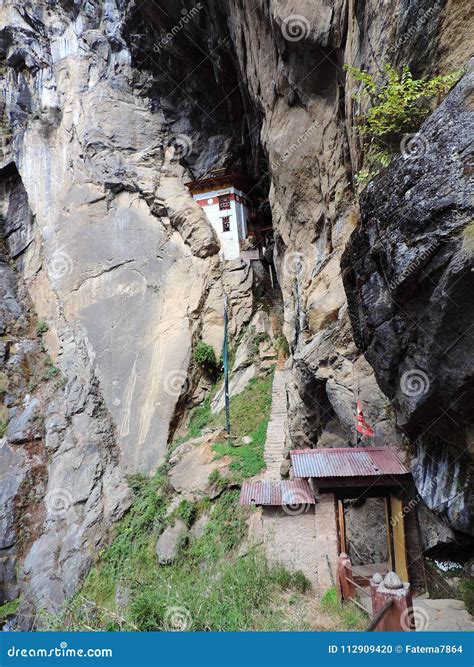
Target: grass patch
247, 460
249, 415
248, 409
42, 327
397, 104
466, 589
207, 588
8, 609
349, 616
223, 533
187, 511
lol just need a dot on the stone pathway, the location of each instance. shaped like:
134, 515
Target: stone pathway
275, 443
442, 615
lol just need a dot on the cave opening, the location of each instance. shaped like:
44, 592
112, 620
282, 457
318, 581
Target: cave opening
214, 124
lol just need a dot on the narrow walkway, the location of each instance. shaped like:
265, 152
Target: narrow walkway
275, 442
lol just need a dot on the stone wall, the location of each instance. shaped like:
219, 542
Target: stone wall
304, 541
327, 549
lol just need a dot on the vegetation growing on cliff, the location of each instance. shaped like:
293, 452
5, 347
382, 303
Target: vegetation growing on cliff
397, 104
205, 357
211, 585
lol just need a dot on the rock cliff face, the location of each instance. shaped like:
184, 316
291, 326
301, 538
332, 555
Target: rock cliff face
408, 273
108, 109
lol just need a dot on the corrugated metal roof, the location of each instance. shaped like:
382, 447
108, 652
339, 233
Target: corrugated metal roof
284, 492
347, 462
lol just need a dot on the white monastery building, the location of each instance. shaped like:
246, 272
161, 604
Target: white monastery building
223, 199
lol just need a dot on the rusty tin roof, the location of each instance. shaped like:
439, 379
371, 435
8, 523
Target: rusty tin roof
348, 462
284, 492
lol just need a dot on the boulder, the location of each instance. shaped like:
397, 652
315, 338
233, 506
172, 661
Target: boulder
170, 540
198, 528
23, 424
409, 279
191, 473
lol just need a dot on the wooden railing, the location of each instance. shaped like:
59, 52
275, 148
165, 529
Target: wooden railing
392, 607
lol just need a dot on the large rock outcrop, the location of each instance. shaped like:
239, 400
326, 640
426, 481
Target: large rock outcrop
108, 108
121, 267
408, 274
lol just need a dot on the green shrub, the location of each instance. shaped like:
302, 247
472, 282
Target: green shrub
397, 105
330, 601
281, 345
42, 327
3, 427
8, 609
50, 372
205, 357
187, 511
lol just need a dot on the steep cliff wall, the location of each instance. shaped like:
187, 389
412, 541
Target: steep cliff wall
109, 107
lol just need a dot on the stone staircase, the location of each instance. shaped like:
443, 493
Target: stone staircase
275, 443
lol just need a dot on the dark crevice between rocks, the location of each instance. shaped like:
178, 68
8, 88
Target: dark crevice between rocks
23, 361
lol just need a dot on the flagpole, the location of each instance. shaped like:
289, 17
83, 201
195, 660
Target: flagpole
357, 412
225, 354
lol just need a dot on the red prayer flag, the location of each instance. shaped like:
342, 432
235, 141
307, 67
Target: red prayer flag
361, 425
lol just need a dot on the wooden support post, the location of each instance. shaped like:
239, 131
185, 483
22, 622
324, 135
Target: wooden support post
345, 588
399, 615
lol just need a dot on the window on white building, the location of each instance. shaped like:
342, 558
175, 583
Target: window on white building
226, 223
224, 202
